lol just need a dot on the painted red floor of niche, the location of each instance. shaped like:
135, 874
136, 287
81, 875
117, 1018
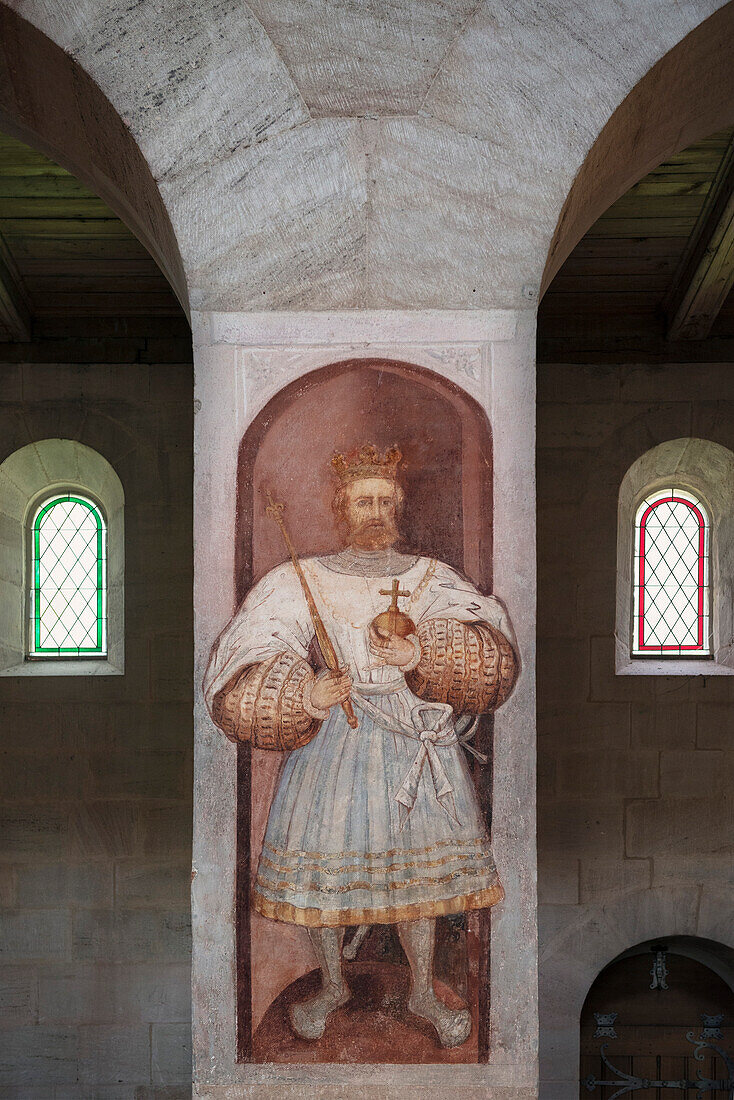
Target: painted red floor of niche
374, 1026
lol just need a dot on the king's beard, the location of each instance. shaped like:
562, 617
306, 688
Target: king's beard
373, 534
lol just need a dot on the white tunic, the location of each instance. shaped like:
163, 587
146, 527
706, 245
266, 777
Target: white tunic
381, 823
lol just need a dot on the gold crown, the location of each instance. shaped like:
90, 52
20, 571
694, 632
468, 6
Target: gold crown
367, 462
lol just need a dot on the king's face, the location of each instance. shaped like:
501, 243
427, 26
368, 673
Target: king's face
371, 509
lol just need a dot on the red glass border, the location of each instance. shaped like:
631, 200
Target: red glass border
641, 647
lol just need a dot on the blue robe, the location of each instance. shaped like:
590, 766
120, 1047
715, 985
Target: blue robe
378, 824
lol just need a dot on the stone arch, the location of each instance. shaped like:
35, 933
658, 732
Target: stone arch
572, 960
706, 469
668, 109
48, 101
623, 1005
716, 956
26, 477
459, 166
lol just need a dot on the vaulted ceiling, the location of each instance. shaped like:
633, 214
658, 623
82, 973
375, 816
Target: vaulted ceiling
63, 253
324, 154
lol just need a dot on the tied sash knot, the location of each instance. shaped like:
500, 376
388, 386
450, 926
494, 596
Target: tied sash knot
433, 723
433, 727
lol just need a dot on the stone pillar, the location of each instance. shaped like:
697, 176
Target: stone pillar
241, 362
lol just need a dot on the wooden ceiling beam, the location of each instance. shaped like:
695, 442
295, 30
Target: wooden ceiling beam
15, 312
705, 274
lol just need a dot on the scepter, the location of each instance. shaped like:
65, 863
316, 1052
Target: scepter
275, 511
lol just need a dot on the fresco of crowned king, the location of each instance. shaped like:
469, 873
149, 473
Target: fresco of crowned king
369, 668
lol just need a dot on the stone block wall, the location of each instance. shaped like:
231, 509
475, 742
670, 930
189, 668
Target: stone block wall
96, 773
635, 773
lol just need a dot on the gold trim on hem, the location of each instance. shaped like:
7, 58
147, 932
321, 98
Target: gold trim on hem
389, 869
370, 884
474, 841
338, 918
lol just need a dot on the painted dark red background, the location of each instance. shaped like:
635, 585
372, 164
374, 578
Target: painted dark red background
447, 476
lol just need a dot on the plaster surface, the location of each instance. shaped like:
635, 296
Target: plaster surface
329, 154
240, 363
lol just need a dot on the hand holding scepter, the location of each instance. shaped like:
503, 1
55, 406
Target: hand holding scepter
275, 511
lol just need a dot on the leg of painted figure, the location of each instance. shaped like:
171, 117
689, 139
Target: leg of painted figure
453, 1026
309, 1018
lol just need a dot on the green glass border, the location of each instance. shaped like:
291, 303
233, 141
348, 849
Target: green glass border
58, 651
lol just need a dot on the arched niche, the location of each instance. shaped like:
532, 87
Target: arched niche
706, 469
688, 94
444, 436
446, 441
27, 476
48, 101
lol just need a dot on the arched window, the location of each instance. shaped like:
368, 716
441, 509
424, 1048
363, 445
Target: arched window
62, 562
671, 575
68, 614
675, 562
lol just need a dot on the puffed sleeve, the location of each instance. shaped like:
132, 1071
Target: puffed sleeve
258, 682
467, 646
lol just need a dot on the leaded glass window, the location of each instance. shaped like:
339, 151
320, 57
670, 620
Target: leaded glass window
68, 579
671, 571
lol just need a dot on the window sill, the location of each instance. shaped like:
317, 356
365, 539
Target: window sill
672, 666
87, 667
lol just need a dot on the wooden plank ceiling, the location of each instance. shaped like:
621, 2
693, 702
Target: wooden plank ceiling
63, 253
66, 252
613, 293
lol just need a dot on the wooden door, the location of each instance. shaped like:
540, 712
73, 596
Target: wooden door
651, 1026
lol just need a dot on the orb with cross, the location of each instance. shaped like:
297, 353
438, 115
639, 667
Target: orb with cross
394, 621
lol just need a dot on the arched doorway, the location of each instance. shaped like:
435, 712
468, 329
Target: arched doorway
661, 1012
446, 442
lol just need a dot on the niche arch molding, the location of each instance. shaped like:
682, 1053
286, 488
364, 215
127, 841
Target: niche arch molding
27, 476
705, 469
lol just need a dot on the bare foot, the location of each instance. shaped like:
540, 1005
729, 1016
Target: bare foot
452, 1025
308, 1019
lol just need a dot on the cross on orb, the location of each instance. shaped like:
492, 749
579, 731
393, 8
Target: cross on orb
395, 593
393, 618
